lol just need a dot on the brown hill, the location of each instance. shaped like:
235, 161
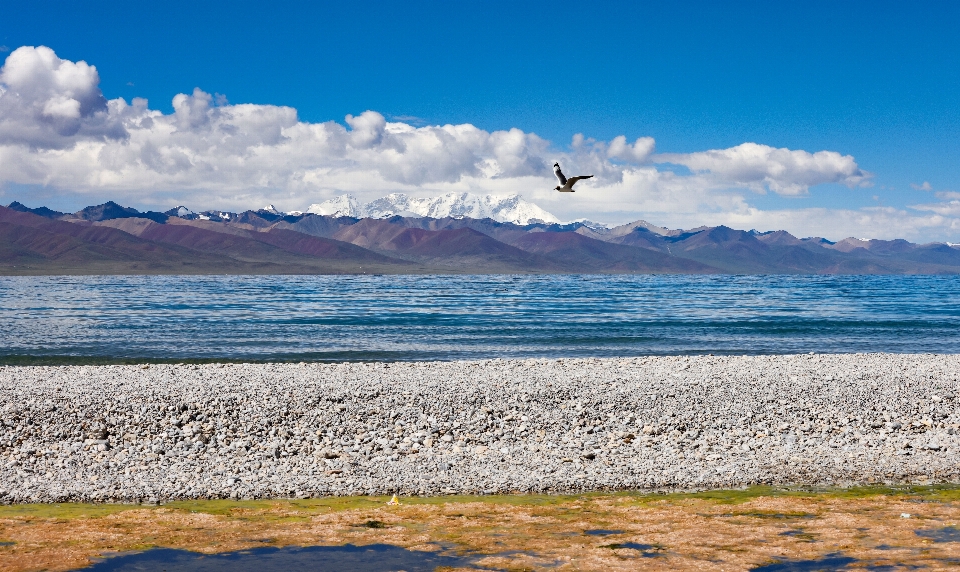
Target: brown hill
316, 225
370, 233
31, 244
463, 249
741, 252
205, 236
278, 247
583, 254
643, 238
325, 248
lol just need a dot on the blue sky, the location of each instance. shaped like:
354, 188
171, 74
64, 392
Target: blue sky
878, 81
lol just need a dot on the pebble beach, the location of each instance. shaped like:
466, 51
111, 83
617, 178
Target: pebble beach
153, 433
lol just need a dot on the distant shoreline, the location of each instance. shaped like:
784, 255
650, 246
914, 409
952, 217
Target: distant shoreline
30, 360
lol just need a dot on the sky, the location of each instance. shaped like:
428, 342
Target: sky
821, 118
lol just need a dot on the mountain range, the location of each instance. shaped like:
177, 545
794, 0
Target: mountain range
501, 208
397, 238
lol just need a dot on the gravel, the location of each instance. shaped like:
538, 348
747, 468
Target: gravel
153, 433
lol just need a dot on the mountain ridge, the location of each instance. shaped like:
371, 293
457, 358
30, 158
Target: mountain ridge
112, 238
502, 208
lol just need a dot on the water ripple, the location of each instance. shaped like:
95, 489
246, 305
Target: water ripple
469, 317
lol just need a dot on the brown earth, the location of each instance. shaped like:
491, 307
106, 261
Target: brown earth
724, 530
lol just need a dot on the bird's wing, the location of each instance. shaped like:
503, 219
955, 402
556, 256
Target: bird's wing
575, 179
559, 174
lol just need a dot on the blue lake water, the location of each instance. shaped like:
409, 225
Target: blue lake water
468, 317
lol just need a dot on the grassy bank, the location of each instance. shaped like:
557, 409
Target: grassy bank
736, 529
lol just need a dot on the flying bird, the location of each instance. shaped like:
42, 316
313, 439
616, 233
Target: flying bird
566, 185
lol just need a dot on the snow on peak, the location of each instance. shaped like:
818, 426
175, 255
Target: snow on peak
592, 225
502, 208
344, 205
272, 210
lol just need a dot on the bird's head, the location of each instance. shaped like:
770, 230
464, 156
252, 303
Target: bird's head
556, 165
557, 188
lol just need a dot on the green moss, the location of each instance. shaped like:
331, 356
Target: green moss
62, 510
513, 500
297, 509
933, 493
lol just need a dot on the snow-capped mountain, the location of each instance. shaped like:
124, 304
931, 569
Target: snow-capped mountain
180, 211
592, 225
502, 208
344, 205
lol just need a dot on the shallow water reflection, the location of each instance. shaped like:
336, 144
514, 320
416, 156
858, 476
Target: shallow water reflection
601, 532
646, 550
828, 562
945, 534
371, 558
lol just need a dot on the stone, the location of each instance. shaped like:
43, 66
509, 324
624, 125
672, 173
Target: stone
654, 423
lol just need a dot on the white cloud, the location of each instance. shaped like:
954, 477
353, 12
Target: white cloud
948, 208
59, 132
49, 103
834, 224
762, 168
924, 187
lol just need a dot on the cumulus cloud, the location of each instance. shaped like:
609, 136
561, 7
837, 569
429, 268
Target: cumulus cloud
49, 103
762, 168
885, 223
949, 206
58, 131
923, 187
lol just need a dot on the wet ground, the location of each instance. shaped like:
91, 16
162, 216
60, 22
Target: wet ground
769, 530
369, 558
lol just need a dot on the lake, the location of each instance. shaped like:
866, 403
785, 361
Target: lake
303, 318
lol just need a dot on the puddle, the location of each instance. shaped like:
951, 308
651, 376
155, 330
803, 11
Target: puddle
371, 558
646, 550
799, 533
827, 563
7, 543
601, 532
945, 534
